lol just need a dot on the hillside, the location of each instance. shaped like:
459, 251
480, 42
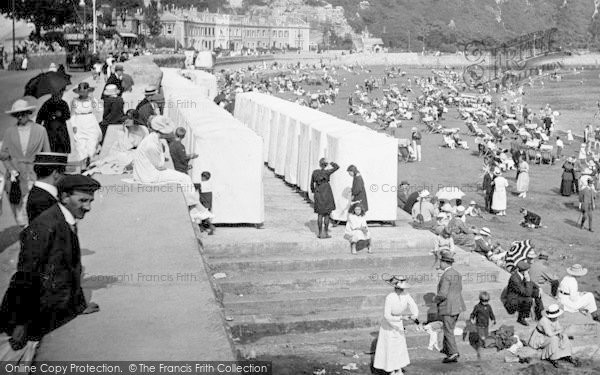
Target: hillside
435, 24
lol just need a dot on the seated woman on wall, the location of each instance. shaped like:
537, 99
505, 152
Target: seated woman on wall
119, 156
357, 231
149, 167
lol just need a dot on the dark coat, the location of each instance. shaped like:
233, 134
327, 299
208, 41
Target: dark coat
113, 80
359, 193
324, 202
487, 183
45, 292
145, 110
449, 294
53, 115
113, 112
410, 201
39, 200
519, 293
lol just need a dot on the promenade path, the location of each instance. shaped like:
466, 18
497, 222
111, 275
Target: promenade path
142, 265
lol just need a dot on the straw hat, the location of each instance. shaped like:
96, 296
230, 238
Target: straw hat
424, 194
83, 87
543, 255
577, 270
553, 311
21, 106
531, 254
472, 203
162, 125
111, 90
150, 90
447, 207
485, 231
497, 171
398, 282
460, 210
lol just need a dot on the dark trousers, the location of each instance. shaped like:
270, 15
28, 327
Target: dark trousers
586, 214
449, 322
488, 200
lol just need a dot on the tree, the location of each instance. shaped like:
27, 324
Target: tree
152, 19
42, 13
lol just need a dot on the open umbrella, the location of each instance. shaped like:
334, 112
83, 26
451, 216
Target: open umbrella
46, 83
449, 193
518, 251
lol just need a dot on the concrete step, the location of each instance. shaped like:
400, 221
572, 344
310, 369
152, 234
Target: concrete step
318, 247
249, 328
404, 260
372, 278
342, 345
303, 303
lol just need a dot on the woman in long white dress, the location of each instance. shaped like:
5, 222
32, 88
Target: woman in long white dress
499, 197
357, 231
523, 179
86, 130
391, 353
549, 336
149, 167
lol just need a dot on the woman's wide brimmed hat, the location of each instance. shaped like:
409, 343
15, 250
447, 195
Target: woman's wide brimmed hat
398, 282
447, 257
424, 194
447, 207
554, 311
577, 270
485, 231
111, 90
20, 106
162, 125
83, 87
497, 171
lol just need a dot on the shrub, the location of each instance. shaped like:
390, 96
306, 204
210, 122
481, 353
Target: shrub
173, 61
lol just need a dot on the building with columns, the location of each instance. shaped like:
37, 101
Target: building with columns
206, 31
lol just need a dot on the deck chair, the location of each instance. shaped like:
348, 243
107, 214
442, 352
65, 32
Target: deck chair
534, 155
547, 155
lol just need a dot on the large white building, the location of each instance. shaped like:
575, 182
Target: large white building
207, 31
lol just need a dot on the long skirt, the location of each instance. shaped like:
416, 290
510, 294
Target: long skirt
391, 353
566, 187
552, 347
499, 200
88, 134
523, 182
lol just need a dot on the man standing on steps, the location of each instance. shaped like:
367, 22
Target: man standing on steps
450, 304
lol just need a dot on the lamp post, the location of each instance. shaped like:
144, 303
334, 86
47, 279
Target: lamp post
82, 4
13, 32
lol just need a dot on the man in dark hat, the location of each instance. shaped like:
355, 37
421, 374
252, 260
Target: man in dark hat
147, 107
49, 167
520, 292
450, 304
45, 292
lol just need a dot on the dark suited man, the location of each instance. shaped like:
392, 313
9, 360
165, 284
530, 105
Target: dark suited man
45, 292
586, 199
488, 188
115, 79
450, 304
49, 167
147, 107
520, 293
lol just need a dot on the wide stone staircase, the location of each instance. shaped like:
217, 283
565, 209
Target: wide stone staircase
288, 296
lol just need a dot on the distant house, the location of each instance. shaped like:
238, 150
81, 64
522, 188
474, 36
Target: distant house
369, 43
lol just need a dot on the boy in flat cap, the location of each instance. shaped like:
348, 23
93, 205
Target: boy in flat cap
45, 292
